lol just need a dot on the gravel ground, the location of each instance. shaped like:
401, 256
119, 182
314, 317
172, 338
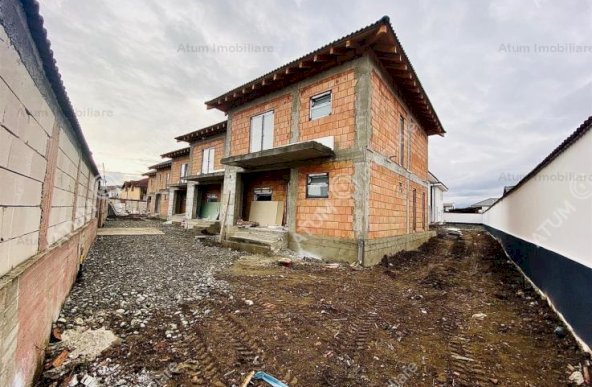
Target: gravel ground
131, 284
455, 312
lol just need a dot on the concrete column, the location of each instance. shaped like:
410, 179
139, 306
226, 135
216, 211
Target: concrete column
361, 175
231, 195
292, 199
295, 129
227, 138
171, 202
190, 201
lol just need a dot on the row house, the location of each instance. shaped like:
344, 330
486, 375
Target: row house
326, 155
329, 153
158, 193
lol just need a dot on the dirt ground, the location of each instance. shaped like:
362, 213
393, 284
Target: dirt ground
455, 313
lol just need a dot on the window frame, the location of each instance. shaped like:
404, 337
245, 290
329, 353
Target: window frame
269, 113
210, 159
308, 176
260, 191
401, 140
310, 107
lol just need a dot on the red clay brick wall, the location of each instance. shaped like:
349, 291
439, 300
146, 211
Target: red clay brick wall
164, 205
176, 169
385, 139
341, 122
276, 180
151, 182
197, 154
211, 189
42, 289
332, 217
420, 215
240, 124
387, 211
160, 181
419, 152
385, 121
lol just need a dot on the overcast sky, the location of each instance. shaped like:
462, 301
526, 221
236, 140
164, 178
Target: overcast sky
505, 77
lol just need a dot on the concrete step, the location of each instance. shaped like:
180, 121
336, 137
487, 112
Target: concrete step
248, 247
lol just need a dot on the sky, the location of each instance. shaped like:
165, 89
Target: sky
508, 79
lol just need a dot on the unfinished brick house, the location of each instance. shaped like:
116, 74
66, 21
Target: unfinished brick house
158, 193
134, 189
205, 174
177, 182
48, 211
333, 146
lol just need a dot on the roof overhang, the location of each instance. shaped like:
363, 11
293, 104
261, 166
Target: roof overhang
176, 153
163, 165
203, 133
207, 178
149, 173
283, 156
379, 39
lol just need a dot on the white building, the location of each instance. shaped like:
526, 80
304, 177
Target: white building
436, 198
545, 226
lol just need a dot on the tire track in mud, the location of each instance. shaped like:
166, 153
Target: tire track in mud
357, 331
204, 369
464, 367
246, 347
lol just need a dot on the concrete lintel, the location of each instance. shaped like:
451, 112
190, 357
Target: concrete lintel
394, 167
206, 178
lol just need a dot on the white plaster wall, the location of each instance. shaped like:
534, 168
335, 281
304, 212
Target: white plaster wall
437, 211
453, 217
556, 215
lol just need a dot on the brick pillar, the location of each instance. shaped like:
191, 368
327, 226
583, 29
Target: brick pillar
48, 183
171, 202
189, 202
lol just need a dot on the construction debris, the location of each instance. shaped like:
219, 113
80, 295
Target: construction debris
267, 378
88, 344
59, 360
246, 224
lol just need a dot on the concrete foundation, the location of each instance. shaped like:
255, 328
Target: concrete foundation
376, 249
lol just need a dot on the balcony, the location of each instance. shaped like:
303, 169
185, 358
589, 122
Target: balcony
286, 156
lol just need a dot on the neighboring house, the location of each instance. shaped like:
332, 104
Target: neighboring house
113, 191
158, 192
545, 226
177, 181
483, 205
134, 190
448, 207
436, 198
334, 148
205, 176
48, 196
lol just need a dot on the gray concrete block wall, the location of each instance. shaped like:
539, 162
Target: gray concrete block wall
37, 193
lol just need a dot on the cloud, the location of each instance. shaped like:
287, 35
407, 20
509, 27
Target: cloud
504, 110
